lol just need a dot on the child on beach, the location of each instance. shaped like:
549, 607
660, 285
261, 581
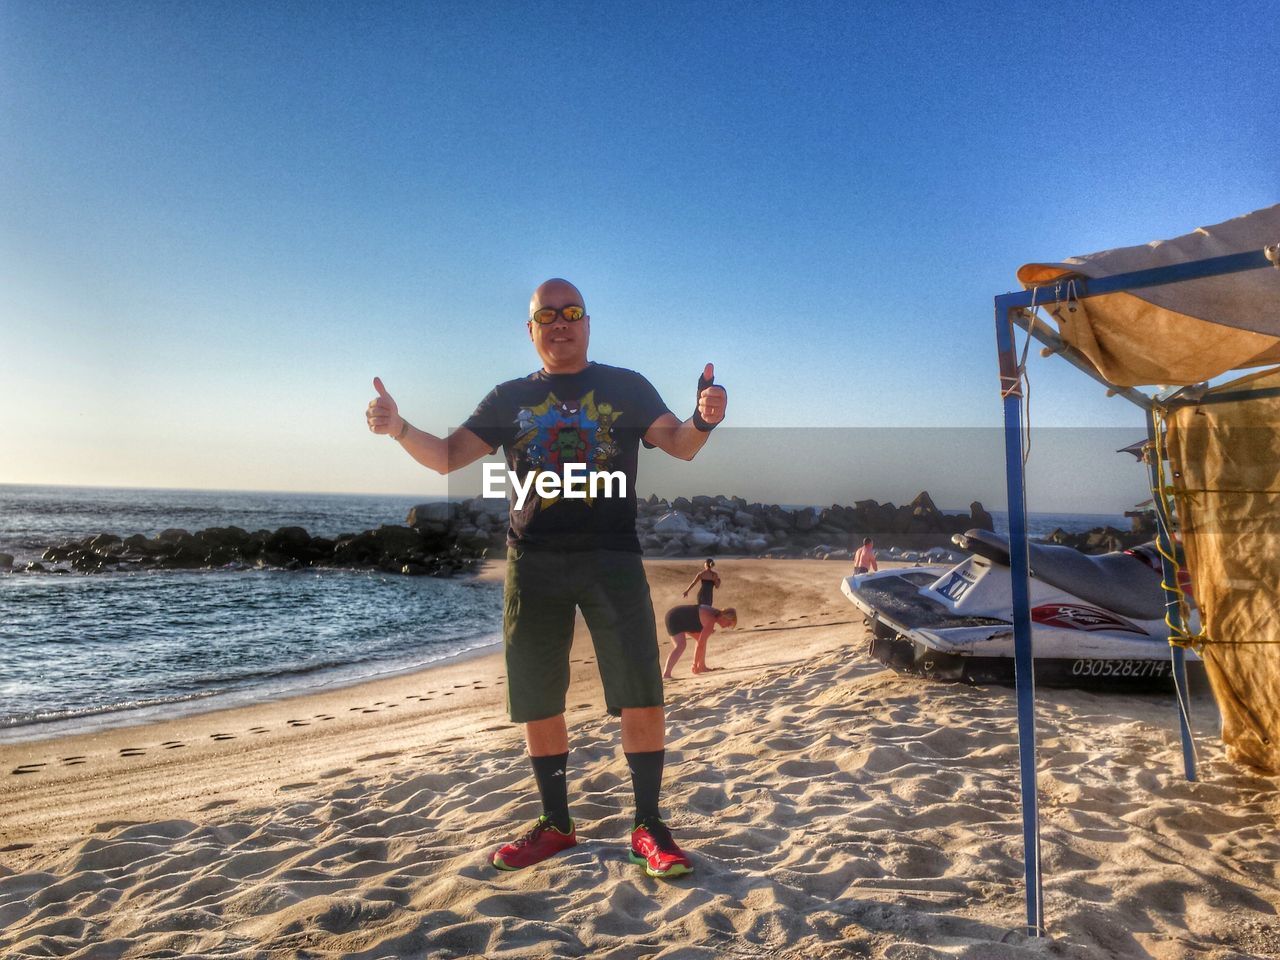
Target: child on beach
864, 561
707, 580
698, 622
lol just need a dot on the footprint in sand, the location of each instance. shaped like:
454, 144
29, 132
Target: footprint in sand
15, 846
448, 693
215, 804
298, 786
353, 709
222, 736
379, 703
336, 772
299, 723
73, 761
173, 744
132, 752
367, 710
386, 755
257, 729
458, 686
501, 726
392, 706
27, 768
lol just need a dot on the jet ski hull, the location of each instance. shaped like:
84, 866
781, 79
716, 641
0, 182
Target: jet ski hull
919, 628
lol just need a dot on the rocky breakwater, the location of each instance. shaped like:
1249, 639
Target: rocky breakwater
720, 525
730, 525
429, 545
1109, 539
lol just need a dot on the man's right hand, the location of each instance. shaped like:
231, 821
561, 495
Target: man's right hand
382, 414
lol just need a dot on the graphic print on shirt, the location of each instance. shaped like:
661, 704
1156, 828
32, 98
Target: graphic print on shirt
558, 432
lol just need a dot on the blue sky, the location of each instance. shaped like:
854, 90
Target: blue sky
220, 221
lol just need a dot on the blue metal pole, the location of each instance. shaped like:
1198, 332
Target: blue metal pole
1011, 392
1172, 610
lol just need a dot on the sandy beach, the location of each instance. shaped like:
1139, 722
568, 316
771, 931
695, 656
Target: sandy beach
832, 809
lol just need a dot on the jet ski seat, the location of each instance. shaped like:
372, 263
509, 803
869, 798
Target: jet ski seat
1117, 582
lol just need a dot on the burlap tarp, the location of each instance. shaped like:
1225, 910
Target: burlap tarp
1225, 459
1179, 333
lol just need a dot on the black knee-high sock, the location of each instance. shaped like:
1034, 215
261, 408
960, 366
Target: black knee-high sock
550, 774
646, 781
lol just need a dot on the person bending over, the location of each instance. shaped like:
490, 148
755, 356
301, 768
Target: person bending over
568, 553
699, 622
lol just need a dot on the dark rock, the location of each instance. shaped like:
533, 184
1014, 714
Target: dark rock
978, 517
393, 541
6, 561
414, 570
34, 567
292, 543
103, 541
805, 519
924, 503
227, 536
172, 534
444, 511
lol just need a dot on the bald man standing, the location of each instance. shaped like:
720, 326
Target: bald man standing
568, 553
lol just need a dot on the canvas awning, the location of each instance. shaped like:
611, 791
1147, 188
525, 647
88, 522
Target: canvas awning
1177, 333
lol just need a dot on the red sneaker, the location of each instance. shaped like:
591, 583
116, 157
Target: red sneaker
653, 847
543, 841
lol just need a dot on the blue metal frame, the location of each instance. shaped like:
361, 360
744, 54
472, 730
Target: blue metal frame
1023, 660
1007, 308
1173, 611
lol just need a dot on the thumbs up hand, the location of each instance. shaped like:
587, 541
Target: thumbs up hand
382, 414
712, 400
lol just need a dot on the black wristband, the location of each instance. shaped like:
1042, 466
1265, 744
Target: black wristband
702, 424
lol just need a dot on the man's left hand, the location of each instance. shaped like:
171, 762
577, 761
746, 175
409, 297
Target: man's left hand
712, 398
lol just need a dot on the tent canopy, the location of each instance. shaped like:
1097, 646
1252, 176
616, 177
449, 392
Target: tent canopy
1178, 333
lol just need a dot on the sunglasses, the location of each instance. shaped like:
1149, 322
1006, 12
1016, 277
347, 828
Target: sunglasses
572, 314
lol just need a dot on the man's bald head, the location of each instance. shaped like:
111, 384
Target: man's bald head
560, 342
555, 293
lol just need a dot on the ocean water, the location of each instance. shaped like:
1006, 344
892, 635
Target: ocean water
1040, 525
84, 652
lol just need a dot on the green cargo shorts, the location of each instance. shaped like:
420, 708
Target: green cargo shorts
543, 589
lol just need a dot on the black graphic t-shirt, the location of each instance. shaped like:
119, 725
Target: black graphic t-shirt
596, 417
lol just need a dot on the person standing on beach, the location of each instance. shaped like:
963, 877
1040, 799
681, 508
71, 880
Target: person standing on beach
706, 581
699, 622
864, 561
567, 552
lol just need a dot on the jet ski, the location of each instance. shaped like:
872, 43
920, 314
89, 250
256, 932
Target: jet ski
1097, 621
